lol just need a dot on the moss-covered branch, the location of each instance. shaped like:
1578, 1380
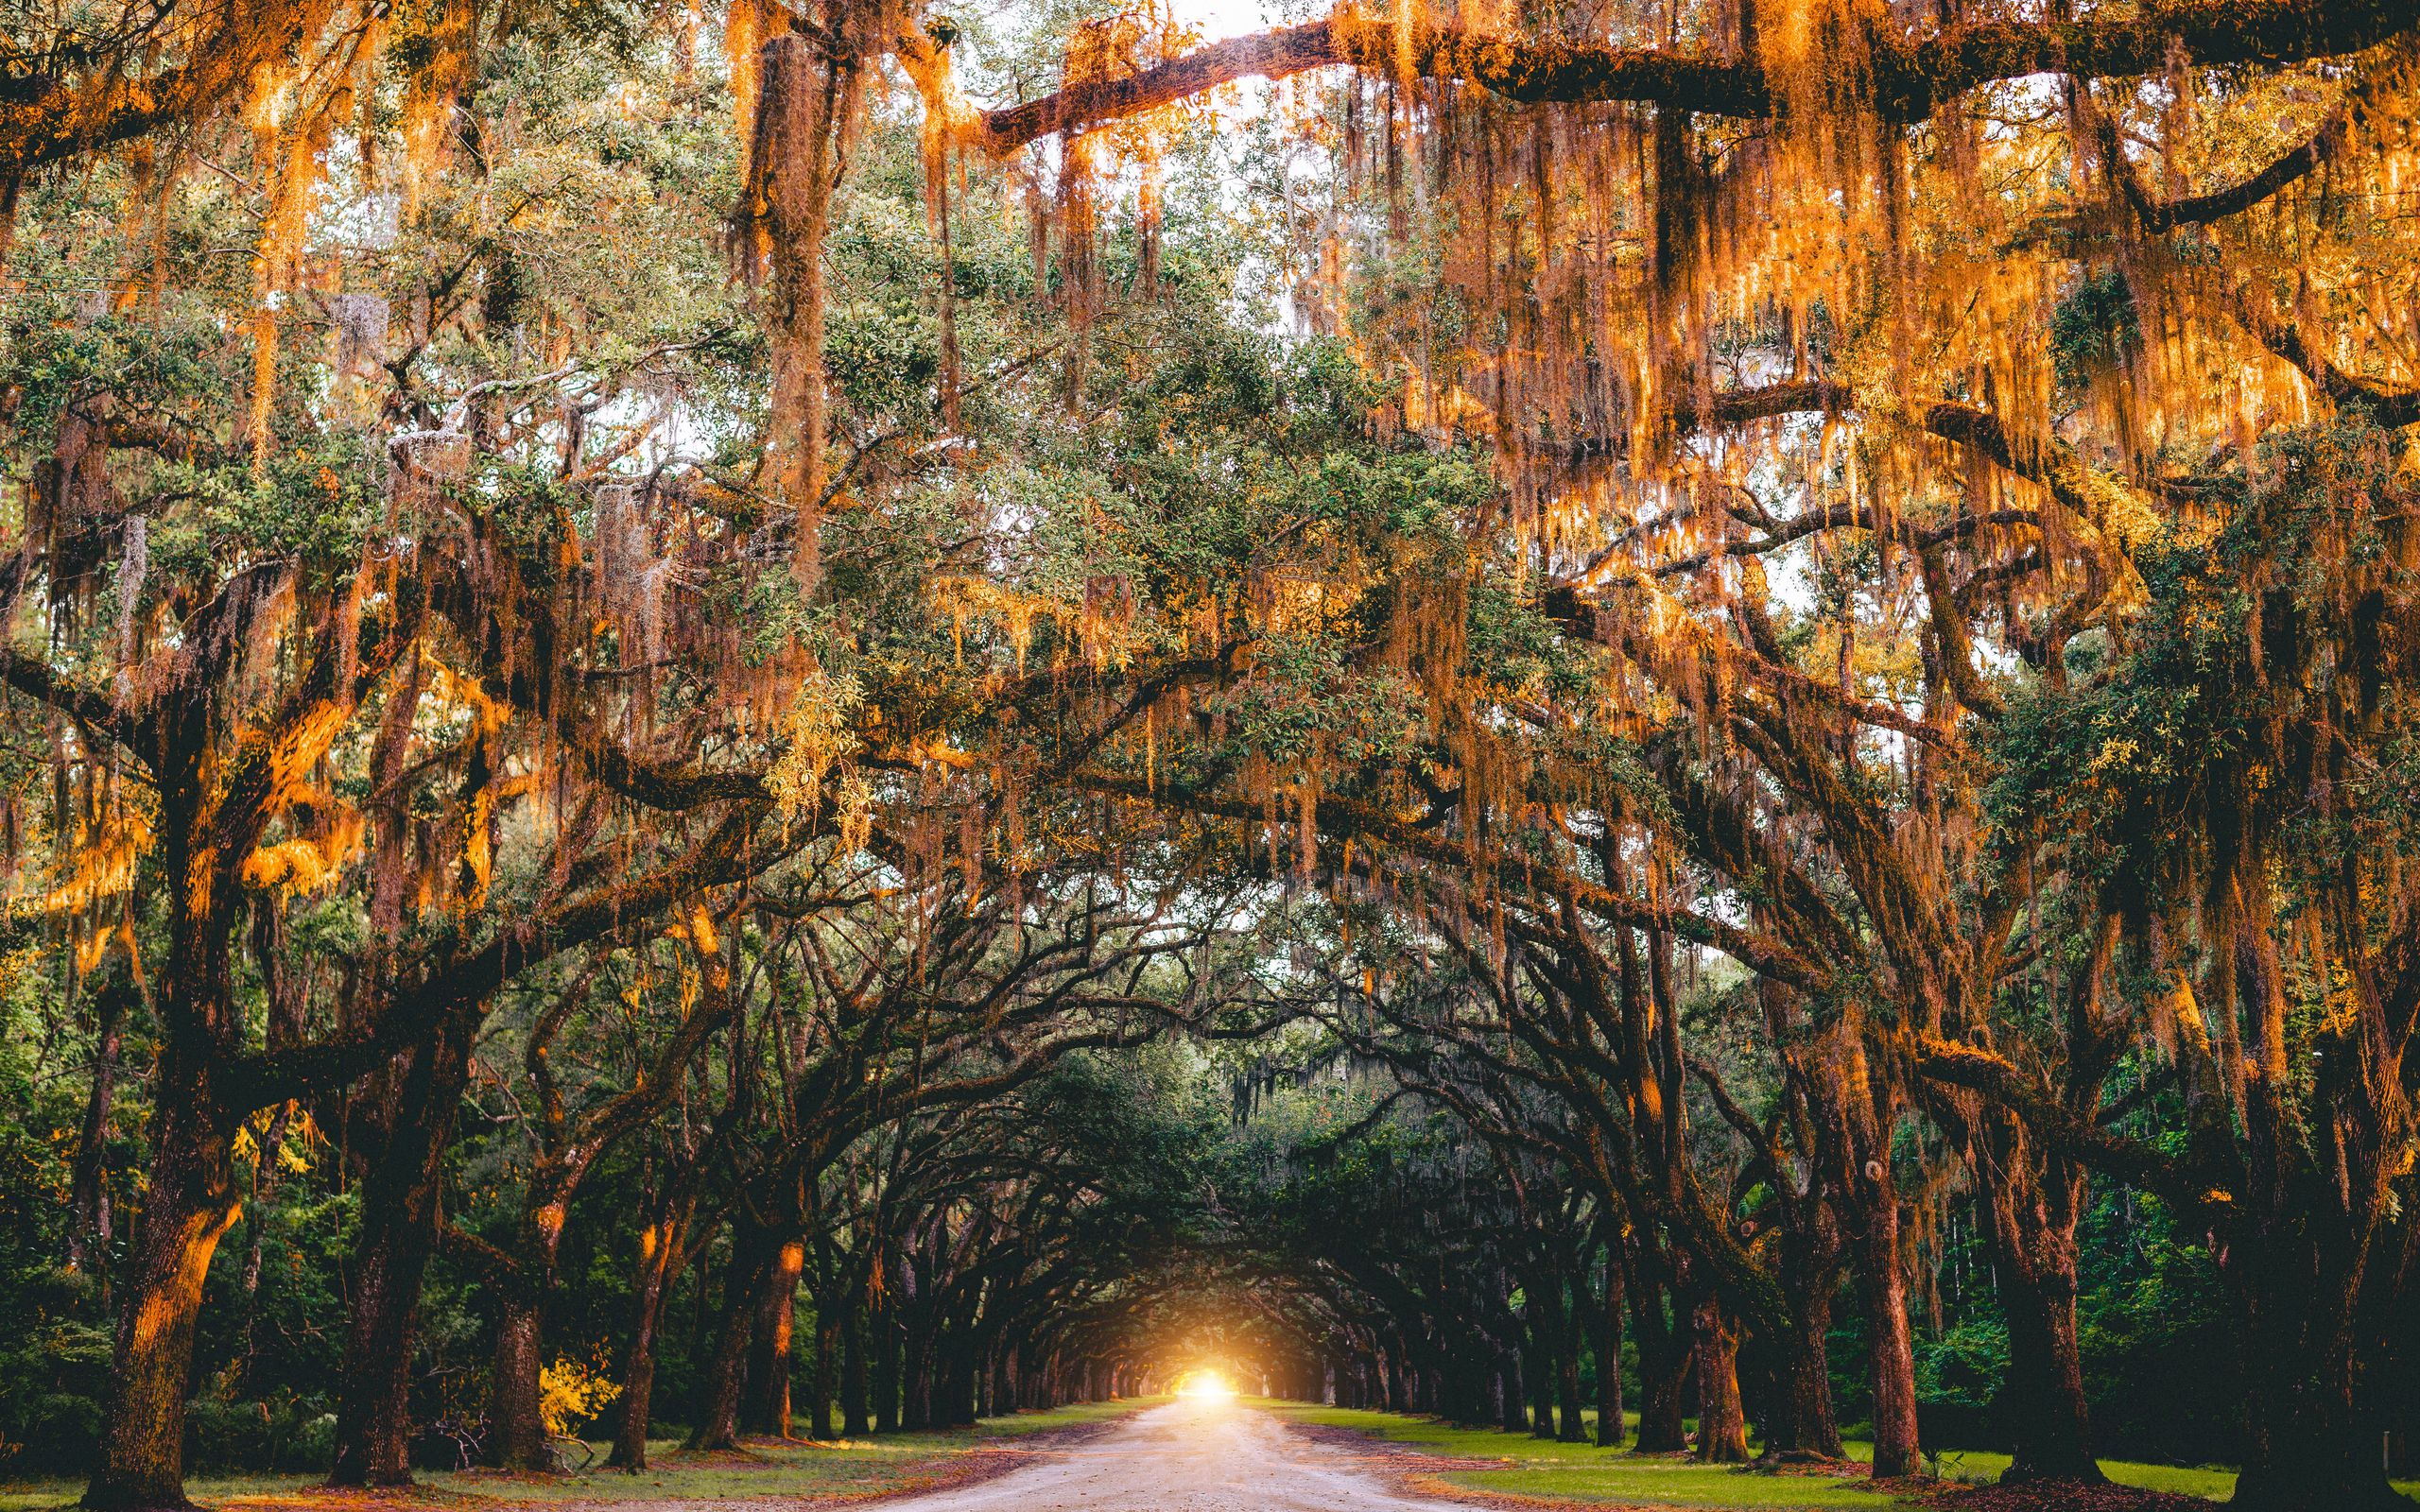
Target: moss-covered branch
1910, 74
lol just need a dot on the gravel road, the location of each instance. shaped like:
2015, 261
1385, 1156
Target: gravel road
1196, 1454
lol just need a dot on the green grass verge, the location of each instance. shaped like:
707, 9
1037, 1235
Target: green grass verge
1582, 1472
857, 1466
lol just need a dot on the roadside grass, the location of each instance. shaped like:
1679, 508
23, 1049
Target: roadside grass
2209, 1481
1582, 1472
761, 1470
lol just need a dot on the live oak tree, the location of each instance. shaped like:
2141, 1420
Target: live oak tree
1847, 566
1763, 302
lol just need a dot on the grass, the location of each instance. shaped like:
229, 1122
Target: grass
1582, 1472
787, 1471
2207, 1481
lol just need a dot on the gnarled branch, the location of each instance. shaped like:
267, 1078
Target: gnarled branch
1910, 74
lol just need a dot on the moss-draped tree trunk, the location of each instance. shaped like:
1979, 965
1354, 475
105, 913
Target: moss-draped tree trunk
2030, 1202
2316, 1280
189, 1204
190, 1198
1882, 1283
88, 1230
398, 1236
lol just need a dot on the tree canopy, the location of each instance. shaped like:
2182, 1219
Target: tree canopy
1711, 704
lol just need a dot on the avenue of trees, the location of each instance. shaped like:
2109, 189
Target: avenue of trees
797, 718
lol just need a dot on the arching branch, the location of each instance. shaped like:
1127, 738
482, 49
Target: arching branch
68, 118
1984, 1071
2393, 405
1910, 75
2201, 210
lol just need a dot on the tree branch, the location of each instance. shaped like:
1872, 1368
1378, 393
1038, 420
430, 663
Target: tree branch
1992, 1075
1909, 75
2393, 405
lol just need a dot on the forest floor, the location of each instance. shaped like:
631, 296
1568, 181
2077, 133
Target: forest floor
1532, 1472
796, 1474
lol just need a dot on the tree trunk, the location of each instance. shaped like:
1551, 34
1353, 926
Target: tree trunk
886, 1373
958, 1392
1004, 1380
2030, 1203
1884, 1282
373, 1393
2313, 1442
1866, 1111
1665, 1353
1572, 1428
1511, 1402
776, 1324
1607, 1342
264, 1191
916, 1377
2309, 1447
516, 1426
1566, 1386
2049, 1415
827, 1351
662, 1253
1723, 1425
1537, 1371
190, 1205
637, 1401
88, 1229
398, 1236
517, 1433
718, 1395
852, 1375
1800, 1425
1798, 1420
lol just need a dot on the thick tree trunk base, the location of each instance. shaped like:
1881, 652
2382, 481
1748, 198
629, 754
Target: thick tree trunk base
376, 1453
140, 1464
631, 1426
1661, 1430
516, 1432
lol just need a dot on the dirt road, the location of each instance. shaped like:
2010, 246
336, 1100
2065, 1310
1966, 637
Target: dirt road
1196, 1454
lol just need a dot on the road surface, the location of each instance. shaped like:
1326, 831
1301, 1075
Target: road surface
1195, 1454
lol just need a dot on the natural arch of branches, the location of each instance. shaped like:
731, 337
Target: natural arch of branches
1697, 661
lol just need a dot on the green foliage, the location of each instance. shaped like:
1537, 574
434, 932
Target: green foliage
2095, 330
1105, 632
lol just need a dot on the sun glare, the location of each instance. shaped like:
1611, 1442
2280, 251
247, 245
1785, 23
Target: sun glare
1204, 1385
